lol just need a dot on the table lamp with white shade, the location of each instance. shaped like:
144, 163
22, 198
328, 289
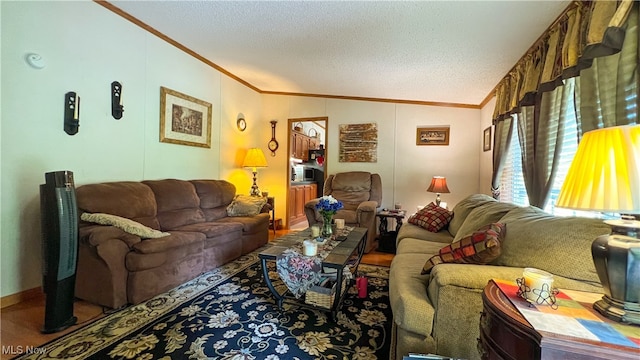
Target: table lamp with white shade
605, 176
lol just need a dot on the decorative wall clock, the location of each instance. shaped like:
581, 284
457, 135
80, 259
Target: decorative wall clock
241, 123
273, 143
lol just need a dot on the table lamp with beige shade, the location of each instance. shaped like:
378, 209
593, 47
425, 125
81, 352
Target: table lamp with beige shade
605, 177
253, 160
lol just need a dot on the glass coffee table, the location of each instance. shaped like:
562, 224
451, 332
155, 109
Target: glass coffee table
347, 252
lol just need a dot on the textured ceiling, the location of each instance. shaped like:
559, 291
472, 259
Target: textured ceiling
431, 51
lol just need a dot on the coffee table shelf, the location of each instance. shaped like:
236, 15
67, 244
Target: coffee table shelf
349, 251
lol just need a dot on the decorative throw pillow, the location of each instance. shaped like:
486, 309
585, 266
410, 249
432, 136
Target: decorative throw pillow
481, 247
244, 205
127, 225
432, 217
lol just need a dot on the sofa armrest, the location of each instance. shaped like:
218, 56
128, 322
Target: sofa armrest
310, 211
99, 234
366, 212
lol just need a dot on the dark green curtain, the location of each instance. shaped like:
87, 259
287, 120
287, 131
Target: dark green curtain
608, 90
541, 131
594, 40
501, 143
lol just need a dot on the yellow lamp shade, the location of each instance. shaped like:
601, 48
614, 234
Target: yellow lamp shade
254, 159
605, 173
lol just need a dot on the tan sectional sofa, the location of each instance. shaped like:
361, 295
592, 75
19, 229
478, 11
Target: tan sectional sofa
116, 267
440, 312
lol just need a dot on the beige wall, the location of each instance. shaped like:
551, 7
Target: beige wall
86, 47
406, 169
486, 157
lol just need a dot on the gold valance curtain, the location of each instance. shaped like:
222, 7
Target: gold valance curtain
585, 31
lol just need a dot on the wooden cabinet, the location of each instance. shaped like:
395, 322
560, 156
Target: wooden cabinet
301, 144
298, 196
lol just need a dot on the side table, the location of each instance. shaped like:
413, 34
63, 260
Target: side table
272, 219
506, 334
387, 239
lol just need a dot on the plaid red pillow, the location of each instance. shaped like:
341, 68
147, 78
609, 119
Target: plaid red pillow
481, 247
432, 217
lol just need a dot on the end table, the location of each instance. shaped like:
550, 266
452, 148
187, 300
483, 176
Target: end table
387, 239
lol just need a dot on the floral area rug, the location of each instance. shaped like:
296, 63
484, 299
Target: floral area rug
229, 313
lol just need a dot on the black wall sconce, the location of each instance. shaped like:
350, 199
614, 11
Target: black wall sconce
71, 113
116, 100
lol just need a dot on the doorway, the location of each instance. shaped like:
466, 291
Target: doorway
306, 146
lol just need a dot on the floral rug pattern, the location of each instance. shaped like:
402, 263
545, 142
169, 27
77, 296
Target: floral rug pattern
229, 313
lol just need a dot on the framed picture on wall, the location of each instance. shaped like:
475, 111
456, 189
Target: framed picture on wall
486, 142
432, 135
184, 120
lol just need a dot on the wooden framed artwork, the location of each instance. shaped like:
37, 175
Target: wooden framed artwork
432, 135
184, 120
358, 143
486, 139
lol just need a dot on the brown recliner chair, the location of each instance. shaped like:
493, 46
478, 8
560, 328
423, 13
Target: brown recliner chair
361, 194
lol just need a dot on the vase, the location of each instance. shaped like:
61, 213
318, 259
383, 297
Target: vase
327, 228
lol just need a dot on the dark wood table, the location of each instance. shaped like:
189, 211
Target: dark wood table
348, 251
387, 239
506, 334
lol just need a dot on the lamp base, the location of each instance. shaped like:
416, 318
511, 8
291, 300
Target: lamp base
254, 188
613, 309
616, 258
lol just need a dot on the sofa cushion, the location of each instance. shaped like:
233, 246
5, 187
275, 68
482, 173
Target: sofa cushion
213, 229
417, 246
487, 213
464, 207
410, 231
532, 233
351, 188
175, 240
481, 247
244, 205
178, 203
432, 217
215, 196
127, 225
128, 199
250, 224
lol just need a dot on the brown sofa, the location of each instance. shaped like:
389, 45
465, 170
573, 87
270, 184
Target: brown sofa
116, 267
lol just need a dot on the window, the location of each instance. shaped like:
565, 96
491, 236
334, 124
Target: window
512, 188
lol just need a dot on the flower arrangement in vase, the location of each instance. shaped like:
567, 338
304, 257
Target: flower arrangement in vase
327, 207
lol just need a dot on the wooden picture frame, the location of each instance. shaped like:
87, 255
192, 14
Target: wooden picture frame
184, 120
432, 135
486, 139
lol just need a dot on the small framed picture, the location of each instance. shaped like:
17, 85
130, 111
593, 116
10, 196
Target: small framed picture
184, 119
486, 142
432, 135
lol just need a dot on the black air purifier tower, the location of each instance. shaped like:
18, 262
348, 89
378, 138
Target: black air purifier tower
59, 249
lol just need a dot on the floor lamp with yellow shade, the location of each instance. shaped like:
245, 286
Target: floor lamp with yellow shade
254, 159
605, 177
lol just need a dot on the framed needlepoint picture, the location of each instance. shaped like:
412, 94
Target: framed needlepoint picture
184, 119
432, 135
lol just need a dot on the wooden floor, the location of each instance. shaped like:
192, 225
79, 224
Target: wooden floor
20, 324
